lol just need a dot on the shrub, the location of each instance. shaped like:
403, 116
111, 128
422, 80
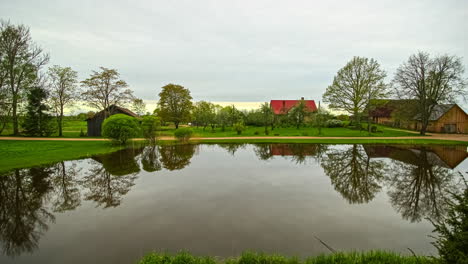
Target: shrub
452, 241
305, 134
373, 129
82, 134
334, 123
277, 134
267, 132
256, 133
120, 128
149, 126
238, 127
183, 134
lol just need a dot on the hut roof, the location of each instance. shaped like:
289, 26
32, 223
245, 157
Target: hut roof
112, 110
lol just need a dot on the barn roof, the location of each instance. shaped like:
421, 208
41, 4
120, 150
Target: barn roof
283, 106
437, 112
114, 109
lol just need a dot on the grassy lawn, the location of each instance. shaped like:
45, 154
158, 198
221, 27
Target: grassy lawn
422, 141
371, 257
291, 131
21, 154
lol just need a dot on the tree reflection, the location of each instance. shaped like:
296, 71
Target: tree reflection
150, 159
23, 217
263, 151
231, 148
353, 174
111, 177
66, 187
419, 189
176, 157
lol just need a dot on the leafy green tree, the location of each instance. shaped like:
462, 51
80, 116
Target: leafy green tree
21, 60
149, 126
239, 127
120, 128
104, 88
175, 104
358, 82
223, 117
37, 121
298, 114
62, 91
204, 114
267, 116
430, 81
319, 119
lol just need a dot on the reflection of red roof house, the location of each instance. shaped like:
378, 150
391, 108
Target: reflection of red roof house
283, 106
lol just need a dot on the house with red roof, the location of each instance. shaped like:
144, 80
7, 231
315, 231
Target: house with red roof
281, 107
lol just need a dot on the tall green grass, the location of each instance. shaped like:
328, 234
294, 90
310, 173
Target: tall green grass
371, 257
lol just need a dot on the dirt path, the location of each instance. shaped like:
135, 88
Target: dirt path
434, 136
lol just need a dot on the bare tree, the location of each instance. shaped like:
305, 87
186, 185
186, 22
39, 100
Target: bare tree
139, 106
430, 81
104, 88
62, 90
358, 82
21, 61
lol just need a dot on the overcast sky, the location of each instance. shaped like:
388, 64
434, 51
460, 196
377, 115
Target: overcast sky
238, 50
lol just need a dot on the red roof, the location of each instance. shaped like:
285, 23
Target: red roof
283, 106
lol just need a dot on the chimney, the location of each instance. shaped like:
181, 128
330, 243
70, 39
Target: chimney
302, 98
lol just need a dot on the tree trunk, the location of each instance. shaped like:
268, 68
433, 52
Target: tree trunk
15, 117
60, 121
176, 125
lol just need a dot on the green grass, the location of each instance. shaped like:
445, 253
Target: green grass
422, 141
292, 131
21, 154
371, 257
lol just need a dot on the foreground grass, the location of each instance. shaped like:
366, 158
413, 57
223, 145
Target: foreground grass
371, 257
20, 154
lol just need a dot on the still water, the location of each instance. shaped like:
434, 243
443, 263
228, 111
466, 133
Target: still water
220, 200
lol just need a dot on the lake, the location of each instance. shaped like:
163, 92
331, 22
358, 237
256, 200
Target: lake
222, 199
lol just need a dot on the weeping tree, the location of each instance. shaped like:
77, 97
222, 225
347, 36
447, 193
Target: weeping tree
429, 82
355, 85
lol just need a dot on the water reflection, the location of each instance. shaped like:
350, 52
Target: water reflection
23, 216
417, 180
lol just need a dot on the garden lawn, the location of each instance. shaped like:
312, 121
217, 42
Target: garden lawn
21, 154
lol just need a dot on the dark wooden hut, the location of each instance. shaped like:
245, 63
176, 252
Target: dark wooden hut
95, 123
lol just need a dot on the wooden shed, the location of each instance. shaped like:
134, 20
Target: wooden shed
95, 123
446, 118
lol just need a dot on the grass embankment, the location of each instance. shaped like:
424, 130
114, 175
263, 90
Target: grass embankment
21, 154
372, 257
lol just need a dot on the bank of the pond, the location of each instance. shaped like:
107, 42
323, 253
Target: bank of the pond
27, 153
371, 257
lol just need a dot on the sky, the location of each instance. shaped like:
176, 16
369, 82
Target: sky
238, 51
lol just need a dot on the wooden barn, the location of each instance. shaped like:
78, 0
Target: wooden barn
445, 118
95, 123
